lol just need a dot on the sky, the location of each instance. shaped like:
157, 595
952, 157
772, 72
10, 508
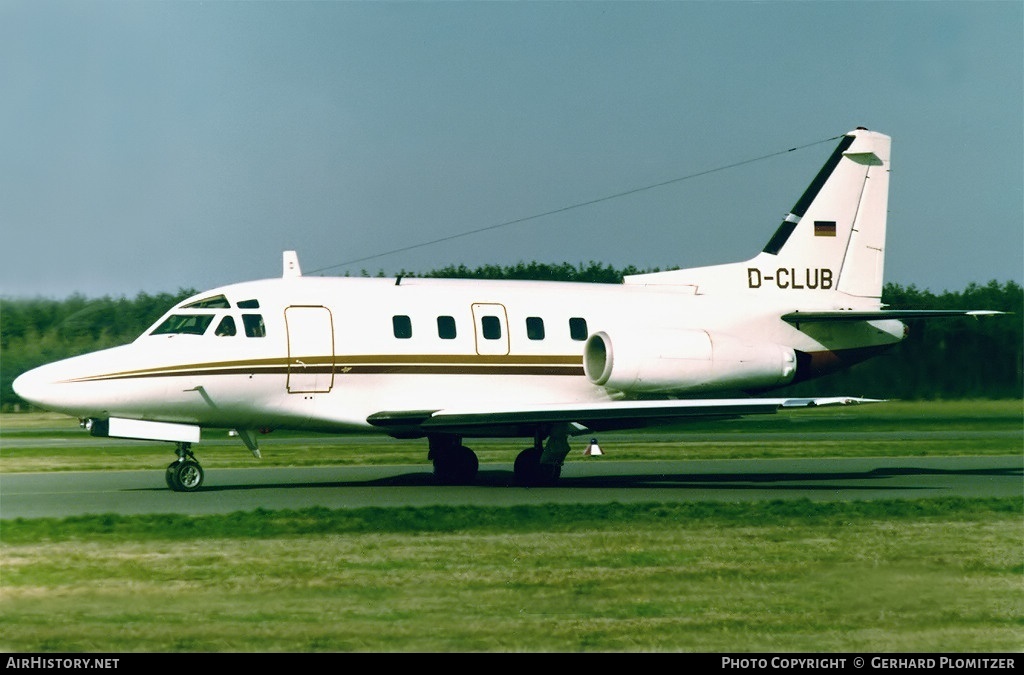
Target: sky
158, 146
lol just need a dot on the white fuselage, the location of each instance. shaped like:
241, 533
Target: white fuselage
326, 353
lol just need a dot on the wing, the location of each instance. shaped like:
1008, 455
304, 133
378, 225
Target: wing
583, 418
879, 314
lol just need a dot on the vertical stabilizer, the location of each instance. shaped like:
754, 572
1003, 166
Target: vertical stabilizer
832, 240
837, 228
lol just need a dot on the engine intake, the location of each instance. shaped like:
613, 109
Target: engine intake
669, 361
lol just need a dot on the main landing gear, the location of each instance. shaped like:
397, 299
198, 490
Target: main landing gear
539, 465
454, 463
529, 471
184, 474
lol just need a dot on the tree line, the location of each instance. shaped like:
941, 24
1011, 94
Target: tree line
949, 358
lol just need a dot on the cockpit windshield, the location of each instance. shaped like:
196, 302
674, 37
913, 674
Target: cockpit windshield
196, 323
189, 324
226, 327
214, 302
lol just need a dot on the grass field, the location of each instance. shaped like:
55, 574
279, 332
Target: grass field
931, 575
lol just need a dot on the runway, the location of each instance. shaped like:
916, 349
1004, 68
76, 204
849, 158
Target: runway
595, 481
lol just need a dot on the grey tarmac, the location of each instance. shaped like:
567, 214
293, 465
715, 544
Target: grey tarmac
592, 481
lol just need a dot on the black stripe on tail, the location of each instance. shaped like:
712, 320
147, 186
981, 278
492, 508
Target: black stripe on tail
789, 222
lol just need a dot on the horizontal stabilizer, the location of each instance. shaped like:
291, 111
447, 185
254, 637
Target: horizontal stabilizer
586, 417
880, 314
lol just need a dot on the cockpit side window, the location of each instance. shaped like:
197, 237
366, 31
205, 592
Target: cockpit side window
226, 327
249, 304
189, 324
254, 325
214, 302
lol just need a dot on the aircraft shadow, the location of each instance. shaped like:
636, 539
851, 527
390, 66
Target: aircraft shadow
782, 481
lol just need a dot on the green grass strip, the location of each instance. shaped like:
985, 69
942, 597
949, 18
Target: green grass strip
446, 519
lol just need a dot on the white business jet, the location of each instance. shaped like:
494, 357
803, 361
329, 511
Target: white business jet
448, 359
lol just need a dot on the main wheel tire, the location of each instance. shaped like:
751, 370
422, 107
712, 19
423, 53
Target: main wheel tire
456, 466
529, 472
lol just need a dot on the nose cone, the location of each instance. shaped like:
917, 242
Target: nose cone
90, 385
66, 386
38, 388
25, 386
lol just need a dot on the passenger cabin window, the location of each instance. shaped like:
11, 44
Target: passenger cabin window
226, 327
535, 328
402, 326
187, 324
215, 302
490, 327
578, 328
253, 324
446, 327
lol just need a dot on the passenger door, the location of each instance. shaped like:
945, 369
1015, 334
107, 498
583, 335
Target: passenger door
310, 349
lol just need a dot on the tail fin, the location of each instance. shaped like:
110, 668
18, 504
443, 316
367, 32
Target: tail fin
839, 222
832, 240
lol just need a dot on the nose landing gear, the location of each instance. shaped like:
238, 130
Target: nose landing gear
184, 474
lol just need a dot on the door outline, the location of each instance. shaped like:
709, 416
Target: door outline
485, 347
310, 332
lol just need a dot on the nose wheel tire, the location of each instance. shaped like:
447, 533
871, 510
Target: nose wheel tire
184, 475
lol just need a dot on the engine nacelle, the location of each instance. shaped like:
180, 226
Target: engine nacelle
663, 361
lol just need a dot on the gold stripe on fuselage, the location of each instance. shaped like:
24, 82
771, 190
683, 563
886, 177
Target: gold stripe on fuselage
443, 364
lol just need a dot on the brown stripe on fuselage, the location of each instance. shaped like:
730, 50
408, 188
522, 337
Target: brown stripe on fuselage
368, 365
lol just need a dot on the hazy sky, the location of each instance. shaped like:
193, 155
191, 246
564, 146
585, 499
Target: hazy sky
153, 146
